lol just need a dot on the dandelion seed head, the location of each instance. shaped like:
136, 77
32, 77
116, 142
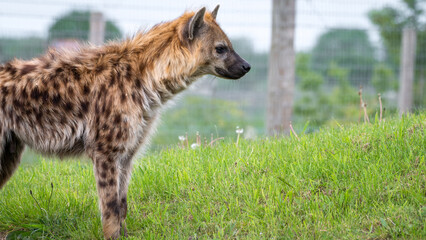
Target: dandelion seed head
194, 145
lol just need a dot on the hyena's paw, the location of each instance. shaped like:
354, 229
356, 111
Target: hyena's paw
112, 232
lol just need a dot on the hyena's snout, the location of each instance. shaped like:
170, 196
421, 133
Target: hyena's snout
235, 67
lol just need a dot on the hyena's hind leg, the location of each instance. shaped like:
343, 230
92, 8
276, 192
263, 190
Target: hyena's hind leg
11, 148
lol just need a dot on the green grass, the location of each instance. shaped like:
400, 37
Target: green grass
364, 181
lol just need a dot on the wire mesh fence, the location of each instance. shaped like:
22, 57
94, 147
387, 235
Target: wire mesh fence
341, 46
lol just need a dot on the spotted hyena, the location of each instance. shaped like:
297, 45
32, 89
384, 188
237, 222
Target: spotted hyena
104, 101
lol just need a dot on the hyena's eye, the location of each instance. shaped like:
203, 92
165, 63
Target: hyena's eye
221, 49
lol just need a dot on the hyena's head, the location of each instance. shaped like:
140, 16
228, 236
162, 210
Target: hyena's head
212, 46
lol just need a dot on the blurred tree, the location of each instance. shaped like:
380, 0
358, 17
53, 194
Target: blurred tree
350, 49
391, 21
76, 25
384, 78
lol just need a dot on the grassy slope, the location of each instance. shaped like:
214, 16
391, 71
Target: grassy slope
359, 182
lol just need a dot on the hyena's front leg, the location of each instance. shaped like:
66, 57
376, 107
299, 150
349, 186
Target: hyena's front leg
107, 179
124, 176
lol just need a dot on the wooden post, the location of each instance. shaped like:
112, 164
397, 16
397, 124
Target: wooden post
281, 73
406, 71
97, 28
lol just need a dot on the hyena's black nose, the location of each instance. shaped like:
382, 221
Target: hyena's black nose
246, 67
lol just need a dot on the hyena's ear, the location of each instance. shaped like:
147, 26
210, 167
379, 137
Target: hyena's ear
214, 12
196, 23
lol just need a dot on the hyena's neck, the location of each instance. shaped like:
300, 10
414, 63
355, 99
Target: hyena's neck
167, 67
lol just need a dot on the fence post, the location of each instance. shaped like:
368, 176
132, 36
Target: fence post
406, 71
97, 28
281, 73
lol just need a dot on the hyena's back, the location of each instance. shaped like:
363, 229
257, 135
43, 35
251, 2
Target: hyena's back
56, 104
42, 105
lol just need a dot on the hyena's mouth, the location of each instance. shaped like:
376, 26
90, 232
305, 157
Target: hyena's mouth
231, 74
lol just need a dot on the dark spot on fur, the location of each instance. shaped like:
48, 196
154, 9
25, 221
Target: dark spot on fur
99, 69
39, 115
107, 110
68, 106
105, 126
100, 148
35, 93
112, 170
107, 214
97, 111
4, 90
75, 74
112, 182
119, 135
59, 70
44, 95
56, 99
110, 136
97, 135
13, 90
102, 89
85, 106
3, 104
128, 72
138, 83
24, 94
117, 118
102, 184
11, 69
114, 149
113, 205
103, 175
112, 79
17, 104
123, 97
104, 166
64, 120
110, 159
27, 69
55, 85
86, 90
46, 65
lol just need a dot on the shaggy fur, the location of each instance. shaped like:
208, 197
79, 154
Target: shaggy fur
104, 101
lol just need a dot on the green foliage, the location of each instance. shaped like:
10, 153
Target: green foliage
317, 102
349, 48
308, 80
350, 182
76, 25
391, 21
384, 79
23, 48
